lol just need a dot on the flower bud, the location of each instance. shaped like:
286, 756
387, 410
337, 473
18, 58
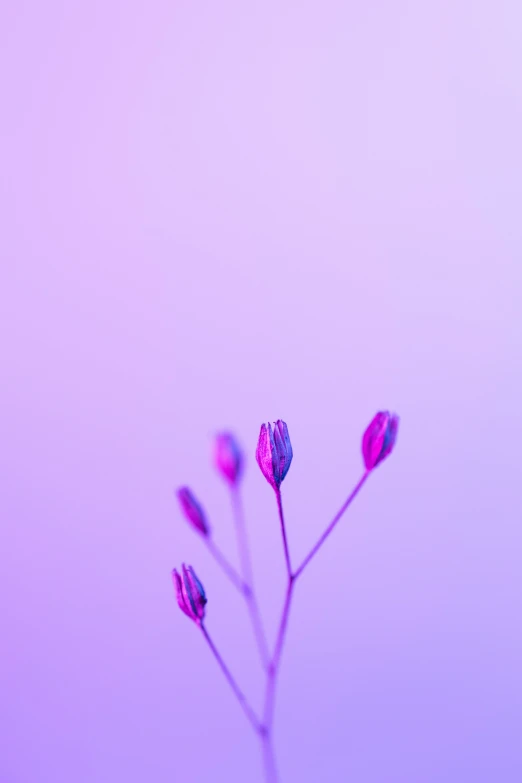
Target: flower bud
379, 438
193, 511
228, 457
190, 593
274, 452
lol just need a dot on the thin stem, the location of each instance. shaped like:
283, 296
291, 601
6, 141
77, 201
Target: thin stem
273, 672
271, 773
268, 711
246, 568
242, 540
283, 532
273, 669
229, 570
249, 712
332, 524
264, 729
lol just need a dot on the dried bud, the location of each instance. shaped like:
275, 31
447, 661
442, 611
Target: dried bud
228, 457
193, 510
274, 452
379, 438
190, 593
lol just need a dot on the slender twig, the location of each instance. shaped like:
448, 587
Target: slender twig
273, 671
268, 711
283, 531
229, 570
249, 712
258, 726
247, 574
332, 524
264, 728
271, 773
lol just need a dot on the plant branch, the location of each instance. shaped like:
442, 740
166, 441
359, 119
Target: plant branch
249, 712
273, 671
283, 532
264, 728
332, 524
229, 570
247, 574
268, 710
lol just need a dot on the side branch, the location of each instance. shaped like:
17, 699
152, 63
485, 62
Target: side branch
229, 570
247, 573
242, 699
283, 532
332, 524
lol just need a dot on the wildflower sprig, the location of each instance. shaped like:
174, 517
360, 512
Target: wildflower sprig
274, 456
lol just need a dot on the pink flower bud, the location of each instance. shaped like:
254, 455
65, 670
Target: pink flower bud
274, 452
379, 439
190, 593
228, 457
193, 511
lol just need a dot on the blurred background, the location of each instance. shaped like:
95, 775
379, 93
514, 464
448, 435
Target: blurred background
218, 214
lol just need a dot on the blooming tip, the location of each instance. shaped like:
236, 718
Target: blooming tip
190, 593
379, 438
274, 452
228, 457
193, 510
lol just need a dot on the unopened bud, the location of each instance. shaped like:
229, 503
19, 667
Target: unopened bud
193, 510
274, 452
379, 439
228, 457
190, 593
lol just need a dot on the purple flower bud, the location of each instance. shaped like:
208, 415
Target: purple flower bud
228, 457
274, 452
379, 438
190, 593
193, 510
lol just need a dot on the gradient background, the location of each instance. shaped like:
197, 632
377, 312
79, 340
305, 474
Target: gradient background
217, 214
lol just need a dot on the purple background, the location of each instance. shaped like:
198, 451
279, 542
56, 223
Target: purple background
217, 214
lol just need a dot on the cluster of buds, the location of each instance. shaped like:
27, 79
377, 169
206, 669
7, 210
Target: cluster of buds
274, 457
228, 459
